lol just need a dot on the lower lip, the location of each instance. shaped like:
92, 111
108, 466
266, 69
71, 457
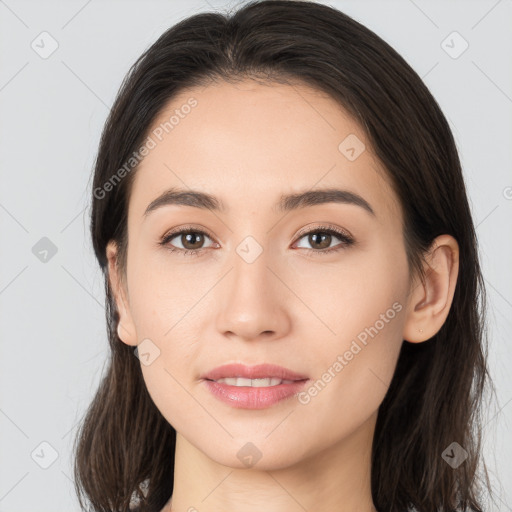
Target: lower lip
245, 397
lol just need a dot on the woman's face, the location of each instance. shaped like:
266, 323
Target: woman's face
261, 290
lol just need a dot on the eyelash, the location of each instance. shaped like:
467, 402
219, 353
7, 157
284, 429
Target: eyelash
346, 240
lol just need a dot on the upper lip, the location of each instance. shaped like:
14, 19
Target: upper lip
260, 371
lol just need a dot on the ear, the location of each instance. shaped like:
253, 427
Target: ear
429, 302
125, 327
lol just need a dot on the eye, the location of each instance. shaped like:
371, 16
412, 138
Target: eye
190, 238
320, 239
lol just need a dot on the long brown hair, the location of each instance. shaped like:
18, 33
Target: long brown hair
125, 447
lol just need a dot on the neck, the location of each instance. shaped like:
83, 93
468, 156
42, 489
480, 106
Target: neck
338, 478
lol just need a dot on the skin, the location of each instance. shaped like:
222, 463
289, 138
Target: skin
247, 144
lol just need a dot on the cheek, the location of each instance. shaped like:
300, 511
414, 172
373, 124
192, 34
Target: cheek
165, 312
352, 376
363, 306
351, 293
159, 294
171, 395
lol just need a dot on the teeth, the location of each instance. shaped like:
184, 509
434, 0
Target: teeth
255, 383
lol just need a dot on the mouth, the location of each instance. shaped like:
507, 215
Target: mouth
253, 387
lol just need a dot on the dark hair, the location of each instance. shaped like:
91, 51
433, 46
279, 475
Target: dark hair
435, 395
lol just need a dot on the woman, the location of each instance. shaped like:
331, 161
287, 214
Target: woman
291, 275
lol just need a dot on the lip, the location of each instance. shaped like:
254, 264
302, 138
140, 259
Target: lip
260, 371
246, 397
253, 398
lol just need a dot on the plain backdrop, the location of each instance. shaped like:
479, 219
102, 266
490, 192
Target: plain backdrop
52, 319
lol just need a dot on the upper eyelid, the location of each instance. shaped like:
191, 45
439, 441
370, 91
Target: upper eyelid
325, 227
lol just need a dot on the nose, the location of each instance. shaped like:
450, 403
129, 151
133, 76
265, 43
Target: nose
254, 302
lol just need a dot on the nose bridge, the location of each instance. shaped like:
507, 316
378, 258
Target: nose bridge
252, 252
251, 277
254, 297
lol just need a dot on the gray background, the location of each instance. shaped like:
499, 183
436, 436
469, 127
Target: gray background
52, 326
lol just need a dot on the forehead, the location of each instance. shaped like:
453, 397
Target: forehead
249, 143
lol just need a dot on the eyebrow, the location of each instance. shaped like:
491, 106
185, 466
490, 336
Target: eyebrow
286, 203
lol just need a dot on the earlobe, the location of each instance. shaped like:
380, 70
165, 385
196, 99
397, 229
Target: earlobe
430, 301
125, 327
